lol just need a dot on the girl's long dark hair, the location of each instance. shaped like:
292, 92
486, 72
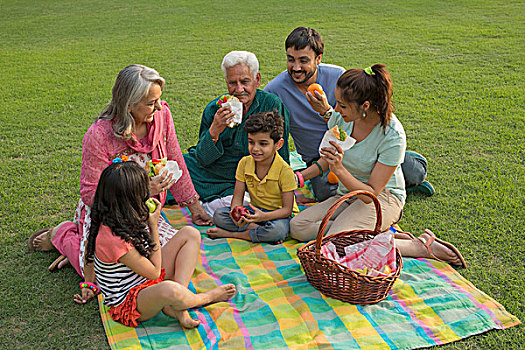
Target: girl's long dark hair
358, 86
120, 204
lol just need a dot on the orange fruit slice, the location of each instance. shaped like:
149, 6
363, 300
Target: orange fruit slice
332, 178
315, 87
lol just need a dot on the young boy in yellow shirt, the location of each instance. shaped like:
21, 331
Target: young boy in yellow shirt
270, 182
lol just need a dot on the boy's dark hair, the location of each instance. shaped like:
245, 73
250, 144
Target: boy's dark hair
302, 37
267, 122
120, 204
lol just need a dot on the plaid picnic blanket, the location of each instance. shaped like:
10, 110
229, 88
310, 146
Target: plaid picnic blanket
276, 308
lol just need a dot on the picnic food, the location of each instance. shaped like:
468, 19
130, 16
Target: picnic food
338, 133
332, 178
151, 205
236, 107
239, 212
154, 166
315, 87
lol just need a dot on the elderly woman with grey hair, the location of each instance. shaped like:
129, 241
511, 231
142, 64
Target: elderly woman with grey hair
213, 161
135, 126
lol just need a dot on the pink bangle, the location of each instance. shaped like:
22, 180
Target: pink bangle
300, 178
91, 286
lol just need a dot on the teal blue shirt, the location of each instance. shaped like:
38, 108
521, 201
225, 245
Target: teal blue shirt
212, 165
386, 146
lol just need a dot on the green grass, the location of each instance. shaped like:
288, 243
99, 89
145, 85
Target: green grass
458, 77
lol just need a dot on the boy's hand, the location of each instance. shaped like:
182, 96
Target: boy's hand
257, 216
237, 214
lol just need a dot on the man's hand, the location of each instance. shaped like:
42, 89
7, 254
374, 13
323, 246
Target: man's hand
198, 215
221, 120
318, 102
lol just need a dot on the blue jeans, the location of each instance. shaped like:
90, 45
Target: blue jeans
266, 231
414, 169
321, 188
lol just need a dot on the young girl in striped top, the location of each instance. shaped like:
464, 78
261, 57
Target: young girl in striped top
137, 278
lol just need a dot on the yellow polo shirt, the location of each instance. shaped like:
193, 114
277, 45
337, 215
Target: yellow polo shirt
267, 193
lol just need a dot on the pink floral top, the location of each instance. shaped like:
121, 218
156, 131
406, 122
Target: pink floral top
101, 146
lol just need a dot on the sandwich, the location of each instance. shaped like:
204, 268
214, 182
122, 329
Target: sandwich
338, 133
154, 166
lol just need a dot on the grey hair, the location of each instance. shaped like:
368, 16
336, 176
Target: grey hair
241, 57
132, 85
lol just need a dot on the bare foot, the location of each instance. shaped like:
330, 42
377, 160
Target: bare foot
42, 242
220, 293
183, 316
216, 232
440, 251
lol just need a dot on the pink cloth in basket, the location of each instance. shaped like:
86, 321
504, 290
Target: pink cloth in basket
373, 254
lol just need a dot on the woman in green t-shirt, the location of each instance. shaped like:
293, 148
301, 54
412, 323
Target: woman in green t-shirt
364, 112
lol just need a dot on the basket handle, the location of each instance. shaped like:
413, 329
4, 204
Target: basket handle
333, 208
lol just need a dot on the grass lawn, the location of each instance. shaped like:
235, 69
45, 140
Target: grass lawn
459, 89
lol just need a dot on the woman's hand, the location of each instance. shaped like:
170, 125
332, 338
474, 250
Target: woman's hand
222, 118
87, 295
257, 216
319, 102
153, 218
198, 215
333, 156
161, 184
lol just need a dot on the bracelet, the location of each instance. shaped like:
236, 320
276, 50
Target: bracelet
91, 286
321, 172
300, 179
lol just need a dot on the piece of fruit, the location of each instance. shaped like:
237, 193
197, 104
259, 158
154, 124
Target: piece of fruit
239, 212
332, 178
387, 270
151, 205
315, 87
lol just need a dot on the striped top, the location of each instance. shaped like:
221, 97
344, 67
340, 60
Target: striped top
114, 278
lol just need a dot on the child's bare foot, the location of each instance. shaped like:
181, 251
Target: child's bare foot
215, 232
183, 316
220, 293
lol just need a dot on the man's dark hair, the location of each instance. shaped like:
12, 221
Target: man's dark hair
267, 122
302, 37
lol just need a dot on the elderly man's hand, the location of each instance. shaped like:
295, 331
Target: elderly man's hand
221, 120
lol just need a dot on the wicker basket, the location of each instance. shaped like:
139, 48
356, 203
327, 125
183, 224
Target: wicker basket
336, 280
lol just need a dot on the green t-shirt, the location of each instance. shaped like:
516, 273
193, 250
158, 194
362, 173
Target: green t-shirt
212, 165
387, 147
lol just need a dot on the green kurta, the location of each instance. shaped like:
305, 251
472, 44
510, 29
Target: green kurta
212, 166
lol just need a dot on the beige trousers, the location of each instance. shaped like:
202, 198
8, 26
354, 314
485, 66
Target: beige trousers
354, 214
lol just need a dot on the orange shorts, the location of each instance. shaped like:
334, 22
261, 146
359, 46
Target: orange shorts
127, 313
